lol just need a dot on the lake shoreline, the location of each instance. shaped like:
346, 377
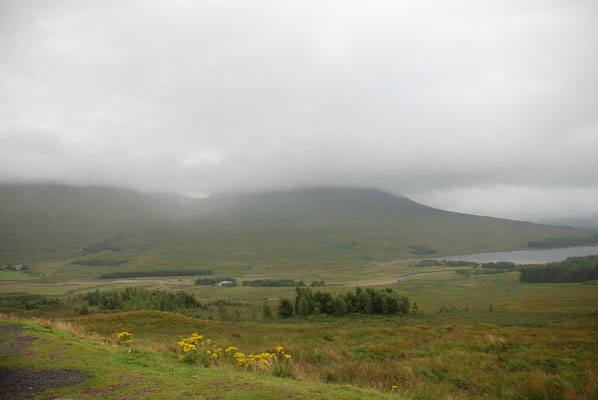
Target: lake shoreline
534, 256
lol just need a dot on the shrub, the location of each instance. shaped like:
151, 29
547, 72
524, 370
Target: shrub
285, 308
197, 349
125, 338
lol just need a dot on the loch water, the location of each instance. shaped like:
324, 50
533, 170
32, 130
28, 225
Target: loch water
528, 256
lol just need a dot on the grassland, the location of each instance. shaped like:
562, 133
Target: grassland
121, 373
483, 336
540, 341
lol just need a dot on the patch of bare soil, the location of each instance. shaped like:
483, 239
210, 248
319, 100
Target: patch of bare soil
114, 388
16, 382
11, 340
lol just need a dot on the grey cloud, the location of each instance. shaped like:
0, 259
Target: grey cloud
419, 98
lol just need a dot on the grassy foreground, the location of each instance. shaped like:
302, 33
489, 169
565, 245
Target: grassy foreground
115, 372
537, 341
431, 356
333, 358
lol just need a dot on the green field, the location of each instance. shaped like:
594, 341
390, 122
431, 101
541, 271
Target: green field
486, 336
539, 341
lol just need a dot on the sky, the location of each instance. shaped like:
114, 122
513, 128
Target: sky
485, 107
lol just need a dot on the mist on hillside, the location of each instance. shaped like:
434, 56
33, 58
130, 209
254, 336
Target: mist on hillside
484, 108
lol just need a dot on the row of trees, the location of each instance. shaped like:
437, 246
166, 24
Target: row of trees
11, 267
140, 274
133, 299
29, 301
501, 265
215, 281
573, 269
368, 301
273, 283
257, 282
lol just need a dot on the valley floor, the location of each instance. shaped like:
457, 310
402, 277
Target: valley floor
481, 337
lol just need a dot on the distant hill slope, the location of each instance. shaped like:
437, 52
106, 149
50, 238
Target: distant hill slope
320, 203
51, 215
321, 225
362, 224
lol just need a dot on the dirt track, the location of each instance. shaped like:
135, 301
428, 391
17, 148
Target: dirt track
400, 279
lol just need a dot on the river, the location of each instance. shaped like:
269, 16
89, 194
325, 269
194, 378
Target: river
529, 256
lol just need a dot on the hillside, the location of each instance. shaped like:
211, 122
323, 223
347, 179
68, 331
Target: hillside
52, 217
333, 226
326, 226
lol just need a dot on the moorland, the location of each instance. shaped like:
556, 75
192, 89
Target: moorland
88, 263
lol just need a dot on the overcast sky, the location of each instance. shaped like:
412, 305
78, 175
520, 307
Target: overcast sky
487, 107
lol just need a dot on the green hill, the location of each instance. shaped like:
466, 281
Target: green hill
308, 226
328, 226
52, 217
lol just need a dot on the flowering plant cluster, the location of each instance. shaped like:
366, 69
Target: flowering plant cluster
196, 349
106, 340
125, 338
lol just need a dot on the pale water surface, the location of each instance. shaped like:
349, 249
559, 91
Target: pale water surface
529, 256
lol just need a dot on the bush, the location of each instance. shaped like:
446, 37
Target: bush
285, 308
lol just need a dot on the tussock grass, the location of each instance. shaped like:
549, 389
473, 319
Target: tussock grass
132, 372
422, 359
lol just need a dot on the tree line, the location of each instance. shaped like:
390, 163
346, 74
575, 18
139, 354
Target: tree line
134, 299
11, 267
368, 301
139, 274
273, 283
30, 301
573, 269
500, 265
214, 281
